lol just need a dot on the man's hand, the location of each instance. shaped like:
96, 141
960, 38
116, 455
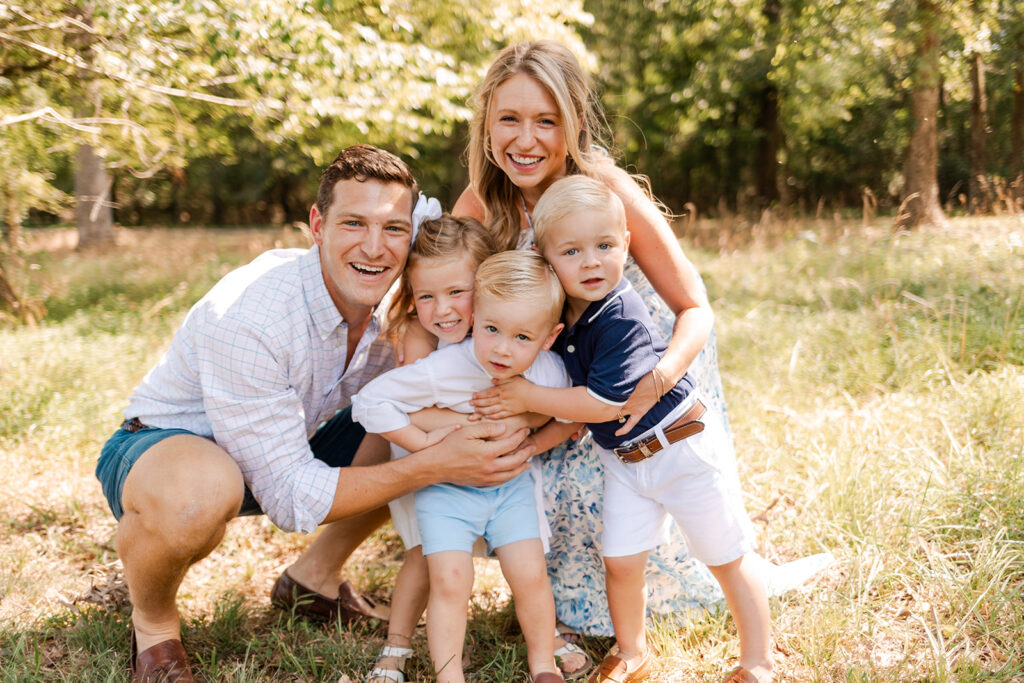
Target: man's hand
505, 399
475, 455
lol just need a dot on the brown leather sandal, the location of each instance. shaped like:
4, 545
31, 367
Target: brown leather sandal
613, 670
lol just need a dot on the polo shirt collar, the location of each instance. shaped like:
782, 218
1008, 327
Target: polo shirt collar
596, 308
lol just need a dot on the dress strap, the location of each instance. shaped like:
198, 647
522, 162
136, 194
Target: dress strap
529, 218
526, 235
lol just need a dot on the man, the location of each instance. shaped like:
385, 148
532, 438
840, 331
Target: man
226, 424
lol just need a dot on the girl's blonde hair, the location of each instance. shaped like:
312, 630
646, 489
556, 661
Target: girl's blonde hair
440, 238
556, 68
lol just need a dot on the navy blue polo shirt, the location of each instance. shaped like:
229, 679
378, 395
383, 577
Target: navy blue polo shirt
609, 350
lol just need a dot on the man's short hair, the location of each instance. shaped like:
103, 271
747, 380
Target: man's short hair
574, 194
521, 276
363, 162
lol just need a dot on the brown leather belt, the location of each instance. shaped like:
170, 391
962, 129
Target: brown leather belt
133, 425
686, 426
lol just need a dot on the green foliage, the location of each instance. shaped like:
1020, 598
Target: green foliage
160, 83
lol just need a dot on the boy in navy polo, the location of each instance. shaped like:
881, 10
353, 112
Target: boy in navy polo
672, 464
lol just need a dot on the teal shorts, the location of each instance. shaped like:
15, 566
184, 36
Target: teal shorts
335, 443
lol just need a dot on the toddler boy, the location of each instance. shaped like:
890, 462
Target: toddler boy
673, 463
517, 301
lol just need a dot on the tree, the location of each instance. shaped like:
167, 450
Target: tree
920, 197
770, 138
155, 78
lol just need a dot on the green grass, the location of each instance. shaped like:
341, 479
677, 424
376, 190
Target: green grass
875, 387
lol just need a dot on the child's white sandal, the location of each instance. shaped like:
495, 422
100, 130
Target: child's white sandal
402, 654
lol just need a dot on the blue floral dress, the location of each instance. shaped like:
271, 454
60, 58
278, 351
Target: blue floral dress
573, 495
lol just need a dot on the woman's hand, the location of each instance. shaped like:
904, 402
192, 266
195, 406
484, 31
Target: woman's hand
505, 399
643, 398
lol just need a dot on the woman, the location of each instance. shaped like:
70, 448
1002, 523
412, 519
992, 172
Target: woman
536, 120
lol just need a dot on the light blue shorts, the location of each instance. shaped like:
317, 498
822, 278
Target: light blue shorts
453, 517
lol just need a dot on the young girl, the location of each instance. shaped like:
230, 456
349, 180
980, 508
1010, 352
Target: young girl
434, 306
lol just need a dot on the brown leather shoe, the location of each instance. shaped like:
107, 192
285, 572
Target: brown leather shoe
289, 594
613, 670
165, 662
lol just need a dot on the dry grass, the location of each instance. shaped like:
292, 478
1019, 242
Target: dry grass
876, 390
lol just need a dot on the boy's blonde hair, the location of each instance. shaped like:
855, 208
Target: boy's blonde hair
520, 276
440, 238
574, 194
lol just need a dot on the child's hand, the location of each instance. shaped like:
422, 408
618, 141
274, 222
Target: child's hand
505, 399
437, 435
527, 449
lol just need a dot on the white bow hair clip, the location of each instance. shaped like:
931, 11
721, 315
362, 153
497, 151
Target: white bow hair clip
426, 207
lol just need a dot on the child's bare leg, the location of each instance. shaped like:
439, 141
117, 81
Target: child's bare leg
522, 563
408, 601
451, 585
627, 604
748, 602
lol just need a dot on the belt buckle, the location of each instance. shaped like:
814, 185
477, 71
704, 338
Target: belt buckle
641, 446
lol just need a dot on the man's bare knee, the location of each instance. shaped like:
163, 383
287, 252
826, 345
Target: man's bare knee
183, 491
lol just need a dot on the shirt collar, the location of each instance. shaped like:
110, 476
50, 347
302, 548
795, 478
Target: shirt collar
596, 308
321, 307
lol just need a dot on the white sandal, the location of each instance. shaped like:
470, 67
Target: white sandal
402, 654
572, 649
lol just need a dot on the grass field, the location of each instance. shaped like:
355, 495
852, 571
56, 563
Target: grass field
875, 383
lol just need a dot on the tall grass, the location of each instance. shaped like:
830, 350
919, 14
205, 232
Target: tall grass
876, 391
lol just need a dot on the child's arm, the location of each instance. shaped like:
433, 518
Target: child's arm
551, 434
416, 343
435, 418
413, 439
517, 395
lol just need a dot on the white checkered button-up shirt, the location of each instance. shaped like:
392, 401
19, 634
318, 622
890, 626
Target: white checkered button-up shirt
255, 366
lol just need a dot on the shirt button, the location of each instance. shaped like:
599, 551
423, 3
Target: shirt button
570, 348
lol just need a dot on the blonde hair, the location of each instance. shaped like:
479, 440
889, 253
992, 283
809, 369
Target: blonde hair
441, 238
571, 195
553, 66
521, 276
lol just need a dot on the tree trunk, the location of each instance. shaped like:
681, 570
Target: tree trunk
977, 201
93, 216
769, 131
1017, 126
12, 222
920, 205
92, 205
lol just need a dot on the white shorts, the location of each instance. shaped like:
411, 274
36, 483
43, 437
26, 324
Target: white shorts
403, 510
694, 482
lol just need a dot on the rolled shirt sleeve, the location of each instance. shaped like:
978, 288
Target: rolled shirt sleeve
258, 417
